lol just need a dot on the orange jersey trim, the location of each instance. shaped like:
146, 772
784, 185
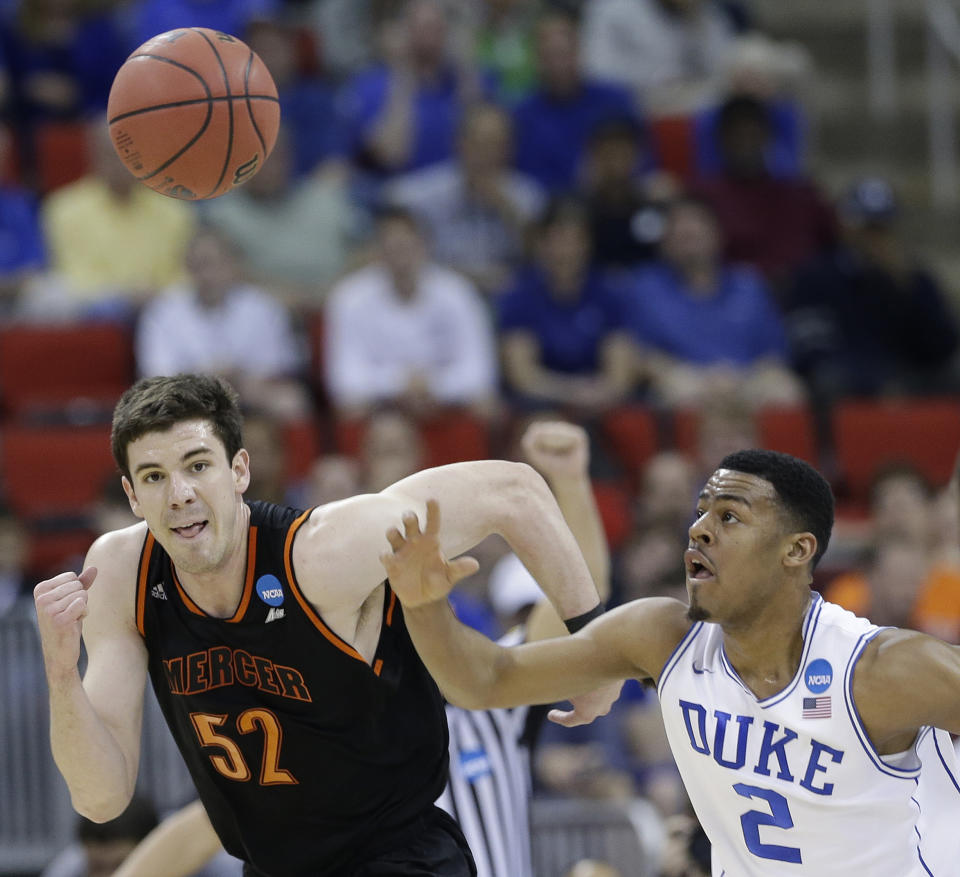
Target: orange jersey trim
308, 610
144, 571
247, 584
393, 603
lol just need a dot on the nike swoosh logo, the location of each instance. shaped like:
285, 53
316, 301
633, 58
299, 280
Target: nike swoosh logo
701, 670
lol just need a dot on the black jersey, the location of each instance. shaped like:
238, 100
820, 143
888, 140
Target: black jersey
307, 758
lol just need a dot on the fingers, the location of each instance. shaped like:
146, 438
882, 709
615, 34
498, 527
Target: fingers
567, 718
87, 577
460, 568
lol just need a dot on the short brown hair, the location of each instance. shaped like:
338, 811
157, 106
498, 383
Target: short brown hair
157, 404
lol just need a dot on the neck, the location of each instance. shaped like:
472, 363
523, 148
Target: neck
765, 651
217, 591
700, 277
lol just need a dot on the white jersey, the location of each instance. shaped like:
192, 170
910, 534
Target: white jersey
791, 785
938, 795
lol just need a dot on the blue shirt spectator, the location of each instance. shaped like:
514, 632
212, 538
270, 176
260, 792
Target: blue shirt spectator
21, 239
151, 17
554, 123
737, 323
570, 332
60, 67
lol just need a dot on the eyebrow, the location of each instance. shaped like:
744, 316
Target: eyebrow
196, 452
728, 497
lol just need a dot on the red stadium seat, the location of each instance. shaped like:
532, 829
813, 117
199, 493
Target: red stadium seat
43, 369
869, 434
631, 432
56, 550
672, 142
62, 154
54, 471
301, 441
616, 511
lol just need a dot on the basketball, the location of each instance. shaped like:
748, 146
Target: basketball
193, 112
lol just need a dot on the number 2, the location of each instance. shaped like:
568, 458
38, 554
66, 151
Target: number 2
231, 763
779, 817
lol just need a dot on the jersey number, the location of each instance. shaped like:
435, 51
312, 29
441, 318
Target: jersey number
231, 763
779, 817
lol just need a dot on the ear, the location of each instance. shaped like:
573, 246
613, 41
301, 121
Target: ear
131, 496
800, 551
241, 470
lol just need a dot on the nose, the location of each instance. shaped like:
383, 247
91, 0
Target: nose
181, 491
699, 531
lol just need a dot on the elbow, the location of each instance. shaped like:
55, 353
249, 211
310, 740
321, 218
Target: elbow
101, 809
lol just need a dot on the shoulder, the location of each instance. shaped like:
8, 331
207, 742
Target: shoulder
445, 284
354, 290
647, 631
116, 556
118, 549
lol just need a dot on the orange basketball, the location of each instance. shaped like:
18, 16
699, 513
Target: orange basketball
193, 112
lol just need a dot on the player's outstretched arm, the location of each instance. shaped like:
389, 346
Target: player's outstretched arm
336, 555
179, 846
903, 681
95, 723
476, 673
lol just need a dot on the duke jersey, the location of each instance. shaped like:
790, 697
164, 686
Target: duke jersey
791, 784
308, 759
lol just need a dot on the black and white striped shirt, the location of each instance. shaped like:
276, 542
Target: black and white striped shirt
489, 788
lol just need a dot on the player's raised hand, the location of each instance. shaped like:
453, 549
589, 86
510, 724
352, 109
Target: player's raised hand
557, 449
416, 567
61, 604
587, 707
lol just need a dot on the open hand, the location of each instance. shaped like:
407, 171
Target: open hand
416, 567
587, 707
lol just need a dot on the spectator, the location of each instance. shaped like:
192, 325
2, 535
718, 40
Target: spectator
61, 57
475, 208
563, 338
264, 440
391, 449
869, 318
151, 17
21, 239
401, 115
626, 209
706, 327
406, 330
670, 52
307, 100
554, 123
774, 224
100, 848
297, 237
216, 324
504, 46
112, 241
772, 72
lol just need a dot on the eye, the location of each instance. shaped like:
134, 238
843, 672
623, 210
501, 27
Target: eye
199, 466
152, 477
727, 517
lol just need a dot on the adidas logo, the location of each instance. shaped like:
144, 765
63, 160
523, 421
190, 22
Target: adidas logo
273, 614
158, 592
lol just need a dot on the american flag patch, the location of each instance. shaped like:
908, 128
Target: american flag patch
816, 707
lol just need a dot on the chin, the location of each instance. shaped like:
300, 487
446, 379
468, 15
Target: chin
697, 613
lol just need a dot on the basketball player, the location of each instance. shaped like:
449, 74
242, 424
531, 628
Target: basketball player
488, 789
795, 724
277, 651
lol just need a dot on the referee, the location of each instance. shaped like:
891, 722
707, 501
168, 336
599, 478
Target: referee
488, 791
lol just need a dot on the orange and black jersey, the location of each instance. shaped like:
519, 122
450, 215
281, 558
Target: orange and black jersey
307, 758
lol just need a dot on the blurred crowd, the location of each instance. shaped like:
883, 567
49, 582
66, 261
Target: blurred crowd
479, 212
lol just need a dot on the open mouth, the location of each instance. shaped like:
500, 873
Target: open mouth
190, 531
697, 567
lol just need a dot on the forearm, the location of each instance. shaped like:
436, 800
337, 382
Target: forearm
87, 754
577, 503
392, 134
179, 846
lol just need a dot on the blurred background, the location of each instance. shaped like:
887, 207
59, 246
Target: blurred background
690, 226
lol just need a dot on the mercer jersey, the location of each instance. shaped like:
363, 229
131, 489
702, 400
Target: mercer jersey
307, 758
791, 785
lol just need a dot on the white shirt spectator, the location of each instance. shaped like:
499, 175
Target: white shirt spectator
249, 332
376, 342
641, 45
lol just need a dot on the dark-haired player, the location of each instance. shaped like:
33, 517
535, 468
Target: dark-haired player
277, 651
797, 726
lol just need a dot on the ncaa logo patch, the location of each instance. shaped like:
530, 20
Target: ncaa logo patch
818, 675
270, 590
